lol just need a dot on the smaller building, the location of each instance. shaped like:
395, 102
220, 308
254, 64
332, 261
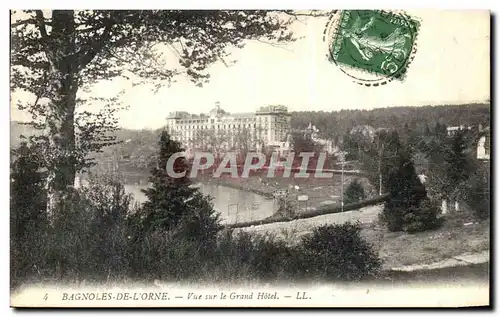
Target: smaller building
309, 133
484, 144
366, 131
452, 130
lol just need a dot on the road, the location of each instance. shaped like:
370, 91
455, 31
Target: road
476, 273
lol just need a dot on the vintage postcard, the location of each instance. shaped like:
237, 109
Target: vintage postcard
209, 158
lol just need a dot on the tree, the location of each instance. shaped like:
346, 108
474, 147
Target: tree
407, 207
334, 124
351, 147
242, 140
167, 197
476, 191
174, 211
459, 165
170, 200
377, 157
27, 194
354, 192
27, 216
54, 57
450, 162
301, 143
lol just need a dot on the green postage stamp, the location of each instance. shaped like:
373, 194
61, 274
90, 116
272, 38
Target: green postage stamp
372, 47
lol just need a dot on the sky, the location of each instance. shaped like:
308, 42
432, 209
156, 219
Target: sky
451, 66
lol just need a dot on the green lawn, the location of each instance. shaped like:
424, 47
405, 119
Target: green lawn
398, 249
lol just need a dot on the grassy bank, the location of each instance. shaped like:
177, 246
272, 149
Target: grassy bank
395, 249
453, 239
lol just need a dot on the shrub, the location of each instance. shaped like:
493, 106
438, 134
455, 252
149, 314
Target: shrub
165, 255
392, 216
110, 207
232, 257
287, 208
28, 222
425, 217
88, 236
251, 256
270, 257
354, 192
338, 252
70, 243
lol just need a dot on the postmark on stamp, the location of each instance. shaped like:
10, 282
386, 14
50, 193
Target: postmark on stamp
372, 47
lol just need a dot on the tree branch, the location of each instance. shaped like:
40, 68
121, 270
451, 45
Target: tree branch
22, 60
41, 24
95, 46
23, 22
273, 45
313, 13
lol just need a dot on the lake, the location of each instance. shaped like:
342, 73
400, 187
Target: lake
234, 205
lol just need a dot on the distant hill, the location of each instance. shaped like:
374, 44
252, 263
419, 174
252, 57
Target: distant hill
336, 123
134, 152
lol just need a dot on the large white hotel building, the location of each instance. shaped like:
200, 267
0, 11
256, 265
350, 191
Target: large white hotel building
267, 127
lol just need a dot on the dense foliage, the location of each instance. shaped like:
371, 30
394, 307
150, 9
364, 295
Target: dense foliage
339, 252
408, 207
97, 236
27, 212
58, 54
354, 192
174, 204
335, 124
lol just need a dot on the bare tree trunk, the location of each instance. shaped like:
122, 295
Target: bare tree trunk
59, 125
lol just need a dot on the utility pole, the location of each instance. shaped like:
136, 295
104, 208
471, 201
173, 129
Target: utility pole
379, 180
342, 187
237, 211
380, 151
379, 177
